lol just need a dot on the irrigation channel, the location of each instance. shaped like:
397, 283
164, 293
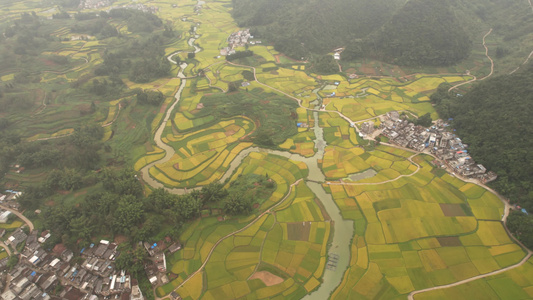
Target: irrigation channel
343, 230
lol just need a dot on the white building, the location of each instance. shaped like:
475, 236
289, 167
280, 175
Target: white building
4, 216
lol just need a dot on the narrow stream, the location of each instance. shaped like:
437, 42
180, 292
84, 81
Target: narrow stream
342, 230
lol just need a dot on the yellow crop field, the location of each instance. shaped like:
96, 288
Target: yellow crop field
414, 227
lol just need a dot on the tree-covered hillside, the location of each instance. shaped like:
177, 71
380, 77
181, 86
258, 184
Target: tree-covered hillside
494, 119
422, 32
412, 33
301, 27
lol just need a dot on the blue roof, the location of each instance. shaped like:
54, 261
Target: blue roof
82, 250
33, 273
524, 211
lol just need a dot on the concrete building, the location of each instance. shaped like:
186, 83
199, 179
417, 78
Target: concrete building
4, 216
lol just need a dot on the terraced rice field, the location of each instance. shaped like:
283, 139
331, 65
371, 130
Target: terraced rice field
413, 229
288, 247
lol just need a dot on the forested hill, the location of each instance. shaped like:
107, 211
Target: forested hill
413, 33
494, 119
301, 27
422, 32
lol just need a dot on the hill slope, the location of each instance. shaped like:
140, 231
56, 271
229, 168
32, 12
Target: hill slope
301, 27
414, 32
494, 119
422, 32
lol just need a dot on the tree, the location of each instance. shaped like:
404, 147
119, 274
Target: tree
521, 225
424, 120
493, 118
129, 213
187, 206
81, 228
150, 97
213, 192
87, 139
233, 87
263, 139
150, 227
236, 204
122, 183
12, 261
191, 55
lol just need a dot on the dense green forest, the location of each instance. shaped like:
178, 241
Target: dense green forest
412, 33
299, 28
421, 33
494, 119
122, 209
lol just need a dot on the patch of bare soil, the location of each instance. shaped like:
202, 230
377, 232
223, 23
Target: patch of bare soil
267, 278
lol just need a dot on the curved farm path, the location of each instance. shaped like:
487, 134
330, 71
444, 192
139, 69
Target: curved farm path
115, 118
299, 101
43, 105
410, 159
491, 66
20, 215
524, 63
523, 261
169, 151
531, 53
268, 211
507, 208
487, 55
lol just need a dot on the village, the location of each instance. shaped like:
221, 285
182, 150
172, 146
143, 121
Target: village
97, 4
438, 140
240, 38
61, 274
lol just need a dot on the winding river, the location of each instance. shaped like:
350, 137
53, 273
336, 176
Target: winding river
343, 230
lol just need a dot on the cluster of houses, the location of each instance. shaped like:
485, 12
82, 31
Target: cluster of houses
142, 7
94, 4
238, 39
156, 268
9, 199
39, 272
438, 140
91, 274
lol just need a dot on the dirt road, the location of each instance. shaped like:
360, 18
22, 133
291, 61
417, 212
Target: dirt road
20, 215
491, 66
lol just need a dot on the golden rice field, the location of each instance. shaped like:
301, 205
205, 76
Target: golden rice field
513, 284
415, 231
291, 247
421, 231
